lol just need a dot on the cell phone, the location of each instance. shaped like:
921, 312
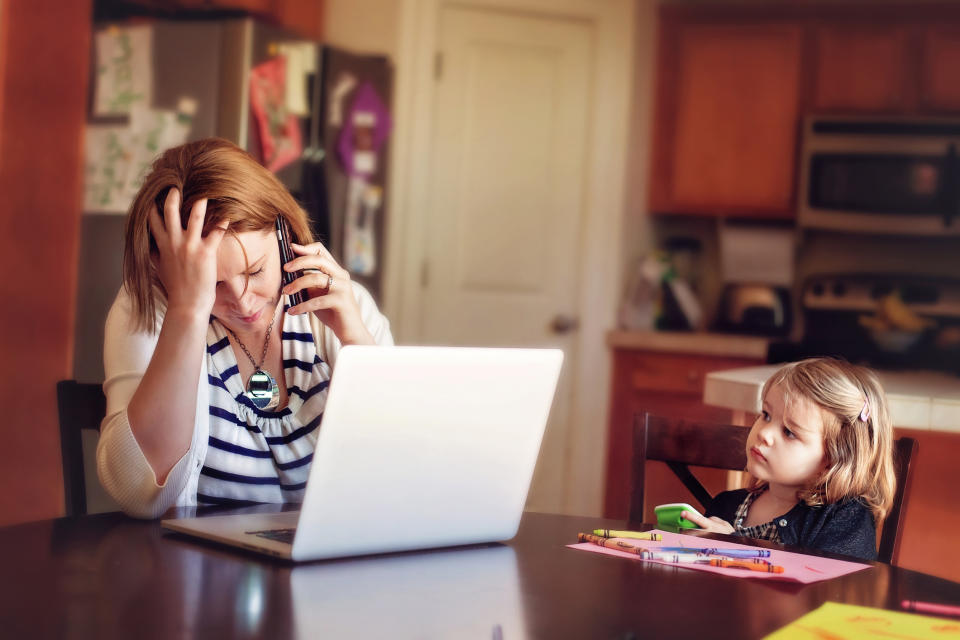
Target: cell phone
286, 255
668, 515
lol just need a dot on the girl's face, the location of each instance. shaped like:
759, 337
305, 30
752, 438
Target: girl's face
251, 309
785, 445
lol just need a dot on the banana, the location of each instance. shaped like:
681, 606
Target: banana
899, 315
874, 323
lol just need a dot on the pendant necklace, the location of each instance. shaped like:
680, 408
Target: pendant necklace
262, 389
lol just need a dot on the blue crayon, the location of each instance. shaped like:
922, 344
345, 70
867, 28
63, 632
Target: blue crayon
733, 553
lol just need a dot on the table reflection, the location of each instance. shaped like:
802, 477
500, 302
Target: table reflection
467, 592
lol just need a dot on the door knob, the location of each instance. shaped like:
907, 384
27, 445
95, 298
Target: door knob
563, 324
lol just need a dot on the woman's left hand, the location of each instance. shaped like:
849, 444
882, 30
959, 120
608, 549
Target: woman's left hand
331, 294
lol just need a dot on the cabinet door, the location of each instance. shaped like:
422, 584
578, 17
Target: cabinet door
302, 17
940, 89
726, 128
861, 69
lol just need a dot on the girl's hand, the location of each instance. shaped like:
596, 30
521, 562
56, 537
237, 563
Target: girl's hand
334, 305
187, 261
714, 523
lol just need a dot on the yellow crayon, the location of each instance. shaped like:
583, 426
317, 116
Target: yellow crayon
620, 545
636, 535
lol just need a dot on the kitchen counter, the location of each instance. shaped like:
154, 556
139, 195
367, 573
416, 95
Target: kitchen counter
693, 342
918, 399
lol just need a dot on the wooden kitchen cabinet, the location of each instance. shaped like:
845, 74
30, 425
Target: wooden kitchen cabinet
734, 82
859, 69
663, 383
302, 17
940, 60
725, 133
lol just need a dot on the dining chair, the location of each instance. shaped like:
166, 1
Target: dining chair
904, 451
681, 443
80, 406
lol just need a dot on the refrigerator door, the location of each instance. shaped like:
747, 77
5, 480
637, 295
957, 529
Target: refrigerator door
356, 126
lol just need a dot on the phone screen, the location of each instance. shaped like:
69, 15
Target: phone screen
286, 255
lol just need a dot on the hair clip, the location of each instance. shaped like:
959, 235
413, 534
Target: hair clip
865, 412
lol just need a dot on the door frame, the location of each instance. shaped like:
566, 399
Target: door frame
612, 25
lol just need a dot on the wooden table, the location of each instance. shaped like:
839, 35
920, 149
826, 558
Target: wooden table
108, 576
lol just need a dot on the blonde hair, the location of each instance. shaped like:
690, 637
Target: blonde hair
858, 452
238, 189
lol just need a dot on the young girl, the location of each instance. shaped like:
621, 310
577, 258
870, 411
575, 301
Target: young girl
820, 454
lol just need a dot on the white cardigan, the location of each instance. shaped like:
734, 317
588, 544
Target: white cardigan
121, 465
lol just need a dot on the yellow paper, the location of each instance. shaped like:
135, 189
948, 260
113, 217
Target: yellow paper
833, 621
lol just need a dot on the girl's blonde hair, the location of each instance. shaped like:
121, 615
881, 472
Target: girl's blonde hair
237, 188
858, 440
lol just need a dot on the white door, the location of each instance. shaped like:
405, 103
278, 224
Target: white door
507, 197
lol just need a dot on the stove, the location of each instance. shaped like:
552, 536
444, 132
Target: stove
883, 321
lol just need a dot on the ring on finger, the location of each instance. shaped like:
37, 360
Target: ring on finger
329, 283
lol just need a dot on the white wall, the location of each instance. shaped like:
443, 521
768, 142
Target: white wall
637, 233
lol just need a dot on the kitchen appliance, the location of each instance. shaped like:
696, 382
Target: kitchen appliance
881, 175
760, 309
890, 321
756, 269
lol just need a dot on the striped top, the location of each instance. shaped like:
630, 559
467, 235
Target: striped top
763, 531
254, 455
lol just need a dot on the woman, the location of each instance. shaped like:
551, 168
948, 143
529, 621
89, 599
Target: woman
215, 385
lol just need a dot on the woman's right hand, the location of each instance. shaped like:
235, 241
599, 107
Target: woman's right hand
187, 261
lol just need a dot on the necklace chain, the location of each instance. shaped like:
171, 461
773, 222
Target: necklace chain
266, 343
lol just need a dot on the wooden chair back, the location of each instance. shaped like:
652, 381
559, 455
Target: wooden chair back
681, 443
904, 450
80, 406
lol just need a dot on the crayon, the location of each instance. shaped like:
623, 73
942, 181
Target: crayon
636, 535
657, 554
754, 564
733, 553
931, 607
688, 558
744, 564
611, 544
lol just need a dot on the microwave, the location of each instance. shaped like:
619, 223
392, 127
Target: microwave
882, 175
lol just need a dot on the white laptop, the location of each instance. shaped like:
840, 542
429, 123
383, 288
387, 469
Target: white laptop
419, 447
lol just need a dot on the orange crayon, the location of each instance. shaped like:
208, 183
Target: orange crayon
611, 544
741, 564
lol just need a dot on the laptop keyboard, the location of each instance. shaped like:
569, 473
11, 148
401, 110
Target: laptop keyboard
279, 535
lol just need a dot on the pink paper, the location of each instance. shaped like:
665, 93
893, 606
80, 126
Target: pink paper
797, 567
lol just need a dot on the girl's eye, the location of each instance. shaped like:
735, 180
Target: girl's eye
766, 416
788, 433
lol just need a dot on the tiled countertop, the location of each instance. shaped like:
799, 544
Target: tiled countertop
918, 399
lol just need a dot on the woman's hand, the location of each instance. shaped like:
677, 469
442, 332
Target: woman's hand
331, 295
188, 261
714, 523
